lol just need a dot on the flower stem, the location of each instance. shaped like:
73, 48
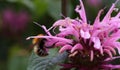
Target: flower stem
64, 4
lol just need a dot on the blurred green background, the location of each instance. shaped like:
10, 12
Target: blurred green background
16, 24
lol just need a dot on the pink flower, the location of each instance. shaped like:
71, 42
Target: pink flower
15, 21
89, 46
94, 2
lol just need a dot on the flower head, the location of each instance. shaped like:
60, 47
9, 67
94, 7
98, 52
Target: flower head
89, 46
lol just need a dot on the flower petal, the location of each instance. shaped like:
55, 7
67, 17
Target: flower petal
108, 52
80, 9
97, 20
108, 15
64, 48
91, 55
112, 66
77, 47
60, 44
52, 37
85, 35
97, 43
111, 49
69, 31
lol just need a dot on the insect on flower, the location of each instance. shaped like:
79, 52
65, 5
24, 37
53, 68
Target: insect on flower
91, 47
39, 47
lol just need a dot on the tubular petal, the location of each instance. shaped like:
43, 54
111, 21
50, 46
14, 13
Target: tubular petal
77, 47
57, 38
113, 58
108, 52
118, 15
85, 35
97, 43
64, 48
101, 50
112, 66
97, 20
91, 55
108, 15
60, 44
111, 49
80, 9
45, 29
118, 48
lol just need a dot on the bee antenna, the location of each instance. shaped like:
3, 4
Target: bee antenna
43, 27
37, 24
62, 15
117, 1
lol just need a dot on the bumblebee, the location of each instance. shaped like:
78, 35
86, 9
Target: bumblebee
39, 47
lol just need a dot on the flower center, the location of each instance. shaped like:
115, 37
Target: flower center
82, 57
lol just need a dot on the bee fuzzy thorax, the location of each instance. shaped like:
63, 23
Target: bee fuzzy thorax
35, 49
35, 40
39, 46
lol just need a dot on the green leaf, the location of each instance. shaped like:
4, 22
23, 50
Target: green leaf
40, 7
29, 4
18, 58
17, 63
12, 0
49, 62
54, 8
